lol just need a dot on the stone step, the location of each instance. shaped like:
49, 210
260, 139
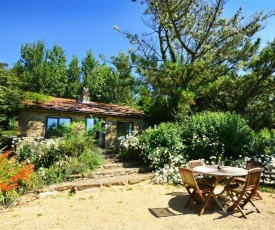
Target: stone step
114, 171
111, 157
81, 184
120, 165
101, 173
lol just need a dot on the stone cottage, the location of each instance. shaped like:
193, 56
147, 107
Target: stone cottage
37, 118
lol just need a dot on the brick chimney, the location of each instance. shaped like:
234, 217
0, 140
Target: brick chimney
86, 96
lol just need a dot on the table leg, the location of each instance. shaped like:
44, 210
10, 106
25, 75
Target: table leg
218, 178
218, 203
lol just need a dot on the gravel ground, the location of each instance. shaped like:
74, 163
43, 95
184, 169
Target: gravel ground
141, 206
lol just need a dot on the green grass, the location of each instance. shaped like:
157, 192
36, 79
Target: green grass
9, 133
267, 188
129, 189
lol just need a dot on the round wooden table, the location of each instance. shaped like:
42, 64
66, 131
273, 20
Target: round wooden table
224, 171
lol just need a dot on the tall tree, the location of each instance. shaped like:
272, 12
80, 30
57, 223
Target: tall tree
74, 86
55, 78
190, 48
109, 85
89, 63
30, 67
10, 95
42, 70
126, 87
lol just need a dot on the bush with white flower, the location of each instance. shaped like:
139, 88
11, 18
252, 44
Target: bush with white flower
166, 147
129, 146
162, 149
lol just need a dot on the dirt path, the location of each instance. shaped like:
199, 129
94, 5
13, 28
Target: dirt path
141, 206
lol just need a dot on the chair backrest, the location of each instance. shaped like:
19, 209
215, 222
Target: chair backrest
253, 179
187, 176
253, 164
194, 163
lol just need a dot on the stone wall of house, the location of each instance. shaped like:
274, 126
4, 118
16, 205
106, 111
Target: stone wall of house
32, 124
111, 138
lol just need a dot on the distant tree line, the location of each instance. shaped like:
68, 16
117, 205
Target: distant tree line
45, 71
193, 58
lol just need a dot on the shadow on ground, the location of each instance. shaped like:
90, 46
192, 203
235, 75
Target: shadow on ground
176, 207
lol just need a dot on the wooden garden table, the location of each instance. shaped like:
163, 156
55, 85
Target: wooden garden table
224, 171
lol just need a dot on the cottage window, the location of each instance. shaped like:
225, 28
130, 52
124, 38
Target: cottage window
53, 123
124, 128
91, 123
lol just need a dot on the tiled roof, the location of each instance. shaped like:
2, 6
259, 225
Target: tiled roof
71, 105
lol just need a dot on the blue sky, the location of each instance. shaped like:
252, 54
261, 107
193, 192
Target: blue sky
81, 25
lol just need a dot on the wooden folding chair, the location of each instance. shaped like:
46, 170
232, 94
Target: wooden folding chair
200, 178
203, 191
192, 164
241, 194
250, 165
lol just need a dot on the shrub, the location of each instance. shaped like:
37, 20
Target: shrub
76, 139
205, 136
54, 159
130, 148
217, 134
162, 149
13, 124
263, 143
42, 153
12, 176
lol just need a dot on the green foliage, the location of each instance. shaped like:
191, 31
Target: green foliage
264, 142
10, 96
54, 159
195, 58
86, 162
13, 176
206, 136
6, 139
75, 87
217, 134
37, 97
42, 70
51, 175
13, 124
40, 154
76, 139
162, 148
55, 79
159, 147
130, 148
9, 133
163, 135
109, 85
267, 188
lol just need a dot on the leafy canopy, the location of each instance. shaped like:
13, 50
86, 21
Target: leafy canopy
194, 57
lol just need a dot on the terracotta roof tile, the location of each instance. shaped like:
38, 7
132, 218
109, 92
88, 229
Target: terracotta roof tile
63, 104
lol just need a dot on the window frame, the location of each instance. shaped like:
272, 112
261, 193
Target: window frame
58, 118
129, 131
100, 142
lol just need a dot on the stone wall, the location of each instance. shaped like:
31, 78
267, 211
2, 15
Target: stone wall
32, 124
111, 139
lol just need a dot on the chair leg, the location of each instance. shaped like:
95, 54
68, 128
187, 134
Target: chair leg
258, 195
249, 199
188, 202
254, 206
221, 192
191, 196
205, 203
236, 205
